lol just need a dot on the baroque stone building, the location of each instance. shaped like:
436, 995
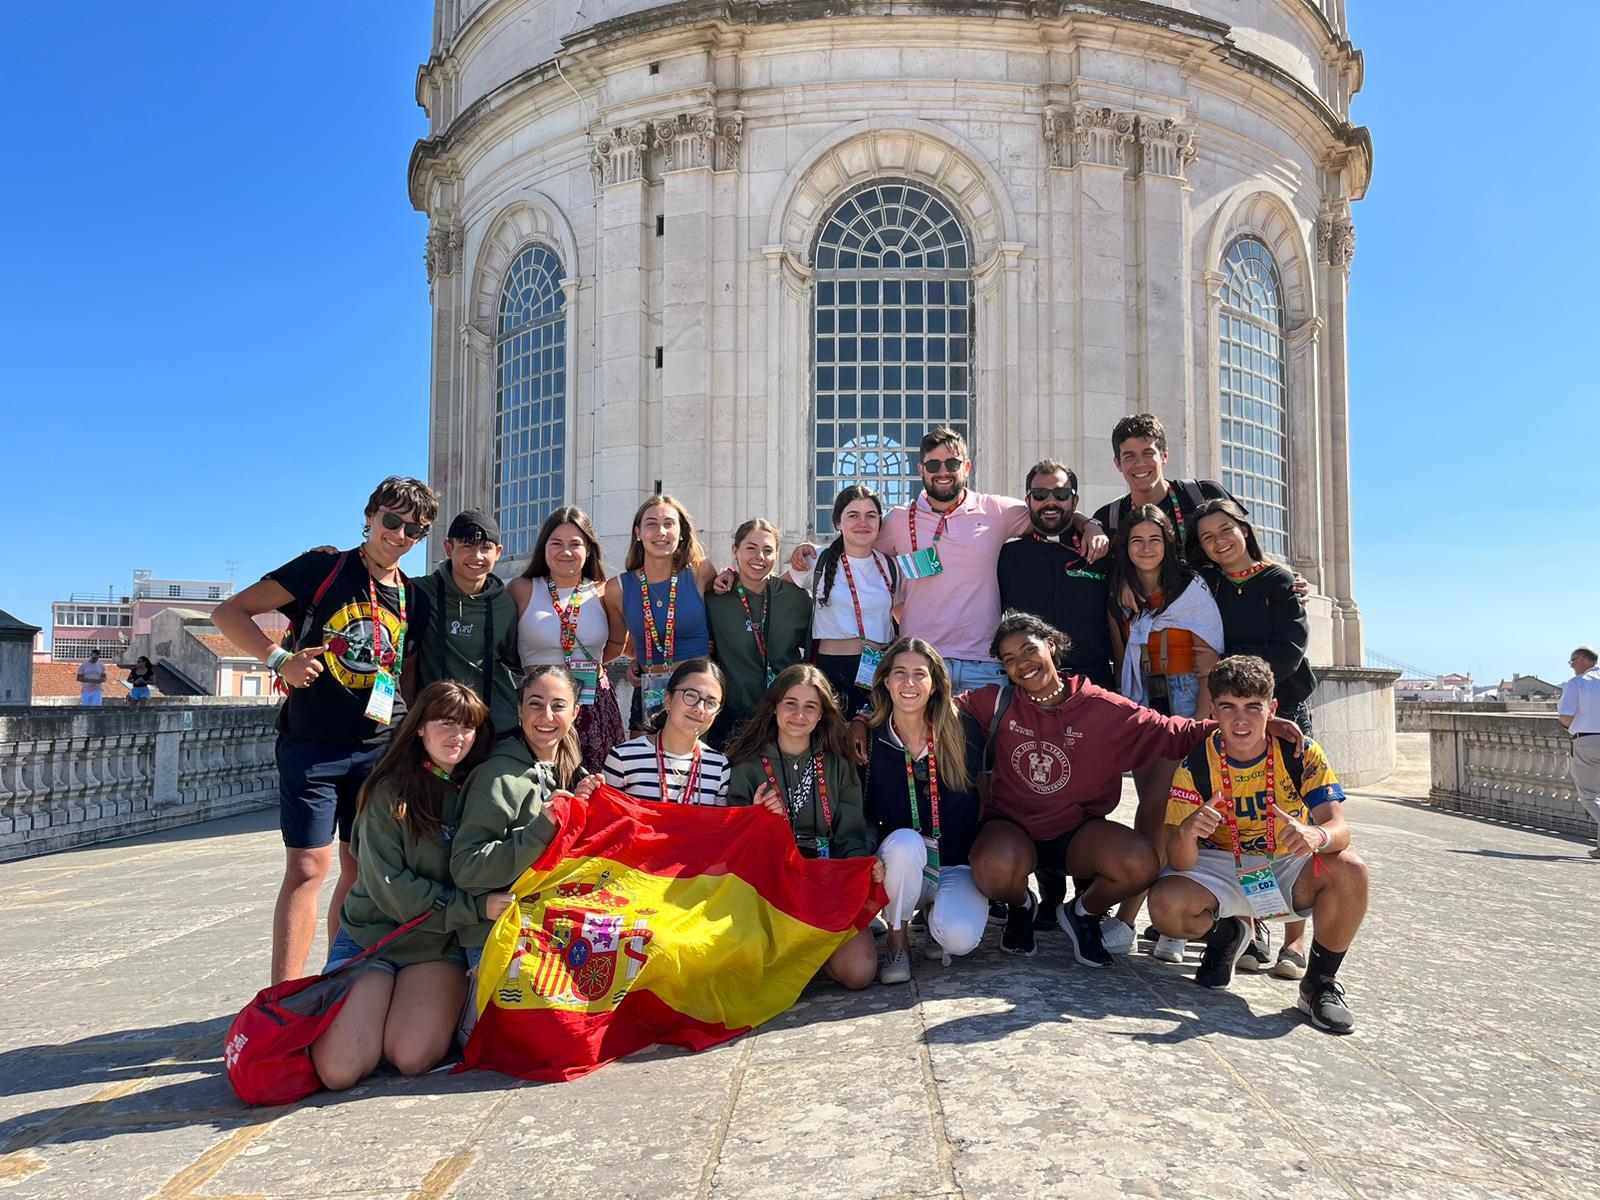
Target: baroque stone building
753, 250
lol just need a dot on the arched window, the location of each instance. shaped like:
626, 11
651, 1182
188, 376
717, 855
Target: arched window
1255, 448
892, 338
530, 362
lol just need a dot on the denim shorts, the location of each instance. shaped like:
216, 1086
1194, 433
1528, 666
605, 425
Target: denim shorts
345, 948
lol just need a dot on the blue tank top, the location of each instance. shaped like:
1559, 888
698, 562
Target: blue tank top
692, 636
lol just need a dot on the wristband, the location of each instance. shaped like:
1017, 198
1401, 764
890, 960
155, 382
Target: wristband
1327, 840
276, 657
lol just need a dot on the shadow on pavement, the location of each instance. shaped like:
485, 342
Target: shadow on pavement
1515, 856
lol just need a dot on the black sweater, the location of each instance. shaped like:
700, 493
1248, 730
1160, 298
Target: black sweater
889, 806
1263, 616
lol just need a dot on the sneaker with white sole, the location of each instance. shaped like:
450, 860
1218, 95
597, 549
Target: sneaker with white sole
1257, 955
896, 968
932, 951
1084, 931
1224, 944
1170, 949
1323, 1001
1291, 964
1116, 935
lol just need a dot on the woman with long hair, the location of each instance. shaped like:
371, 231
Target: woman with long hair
923, 762
1263, 615
660, 598
855, 590
759, 626
405, 1005
669, 761
1166, 633
793, 759
140, 677
563, 617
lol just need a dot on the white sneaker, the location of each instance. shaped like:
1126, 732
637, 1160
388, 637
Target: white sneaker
1116, 935
1170, 949
931, 950
897, 968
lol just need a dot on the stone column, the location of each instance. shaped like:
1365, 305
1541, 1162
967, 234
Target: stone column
998, 436
1101, 138
788, 390
1336, 243
617, 161
1164, 349
1306, 457
441, 257
474, 481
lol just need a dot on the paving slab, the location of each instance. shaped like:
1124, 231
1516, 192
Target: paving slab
1473, 1072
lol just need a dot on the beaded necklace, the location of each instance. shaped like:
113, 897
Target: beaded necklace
1240, 578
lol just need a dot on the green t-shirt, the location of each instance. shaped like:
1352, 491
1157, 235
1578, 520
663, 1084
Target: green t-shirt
782, 612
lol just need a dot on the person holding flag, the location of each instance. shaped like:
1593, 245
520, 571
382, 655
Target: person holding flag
1252, 832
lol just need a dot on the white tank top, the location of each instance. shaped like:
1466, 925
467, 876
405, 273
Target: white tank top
539, 628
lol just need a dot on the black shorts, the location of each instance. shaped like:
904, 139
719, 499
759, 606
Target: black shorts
317, 787
1050, 854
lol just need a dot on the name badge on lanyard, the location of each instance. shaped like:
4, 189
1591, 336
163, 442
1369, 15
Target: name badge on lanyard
380, 704
1261, 889
587, 672
654, 684
920, 564
1259, 884
867, 669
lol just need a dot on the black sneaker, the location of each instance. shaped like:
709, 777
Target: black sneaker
1052, 891
1084, 930
1017, 936
1322, 1000
1224, 944
1257, 954
999, 910
1150, 934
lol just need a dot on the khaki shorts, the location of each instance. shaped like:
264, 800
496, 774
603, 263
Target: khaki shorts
1214, 871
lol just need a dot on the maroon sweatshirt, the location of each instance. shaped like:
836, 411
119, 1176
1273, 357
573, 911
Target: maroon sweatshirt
1054, 768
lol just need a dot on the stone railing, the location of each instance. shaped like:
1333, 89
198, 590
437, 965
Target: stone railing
1508, 766
69, 777
1412, 716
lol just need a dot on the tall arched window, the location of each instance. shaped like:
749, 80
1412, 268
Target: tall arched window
1255, 448
892, 333
530, 360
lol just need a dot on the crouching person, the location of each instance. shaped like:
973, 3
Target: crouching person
1252, 831
405, 1004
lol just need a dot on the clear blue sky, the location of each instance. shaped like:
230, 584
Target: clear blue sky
216, 324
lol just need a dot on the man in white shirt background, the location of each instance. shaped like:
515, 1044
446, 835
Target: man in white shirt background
1579, 711
92, 678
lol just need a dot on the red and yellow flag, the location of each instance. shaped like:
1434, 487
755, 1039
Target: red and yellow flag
646, 922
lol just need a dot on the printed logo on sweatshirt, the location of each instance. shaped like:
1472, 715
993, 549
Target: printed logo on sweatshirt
462, 628
1045, 768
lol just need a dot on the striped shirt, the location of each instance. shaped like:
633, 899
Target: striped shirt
632, 768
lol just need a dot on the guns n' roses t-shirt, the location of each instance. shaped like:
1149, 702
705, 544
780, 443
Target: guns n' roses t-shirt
333, 708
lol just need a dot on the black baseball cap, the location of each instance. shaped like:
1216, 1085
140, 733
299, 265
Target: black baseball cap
474, 525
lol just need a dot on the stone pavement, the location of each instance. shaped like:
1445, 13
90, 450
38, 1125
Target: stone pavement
1472, 1073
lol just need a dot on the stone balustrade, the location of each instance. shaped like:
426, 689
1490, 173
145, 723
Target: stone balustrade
1508, 766
69, 777
1412, 716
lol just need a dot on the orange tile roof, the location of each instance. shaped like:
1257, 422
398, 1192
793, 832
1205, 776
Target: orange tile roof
221, 646
60, 679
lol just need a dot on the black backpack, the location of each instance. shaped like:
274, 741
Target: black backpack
1296, 763
1188, 489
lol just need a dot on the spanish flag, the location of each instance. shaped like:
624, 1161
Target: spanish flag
645, 922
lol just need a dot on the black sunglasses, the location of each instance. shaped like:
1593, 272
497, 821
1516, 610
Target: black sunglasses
413, 530
1060, 493
950, 465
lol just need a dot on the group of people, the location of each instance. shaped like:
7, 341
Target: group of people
955, 686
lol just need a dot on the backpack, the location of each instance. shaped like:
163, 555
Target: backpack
1295, 762
293, 640
1002, 702
267, 1052
1188, 489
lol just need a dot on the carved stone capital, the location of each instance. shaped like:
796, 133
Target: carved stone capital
441, 253
1101, 135
618, 154
686, 140
1167, 148
1336, 239
730, 136
1058, 135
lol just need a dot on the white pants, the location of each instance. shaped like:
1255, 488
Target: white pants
960, 911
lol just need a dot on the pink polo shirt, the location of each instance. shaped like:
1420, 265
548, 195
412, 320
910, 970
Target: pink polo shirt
956, 610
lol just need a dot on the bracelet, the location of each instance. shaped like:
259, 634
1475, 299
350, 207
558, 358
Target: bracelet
276, 657
1327, 840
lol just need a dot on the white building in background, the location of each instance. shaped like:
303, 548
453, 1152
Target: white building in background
753, 251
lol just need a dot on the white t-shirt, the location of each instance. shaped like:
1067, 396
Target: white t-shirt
94, 677
836, 617
1580, 700
632, 768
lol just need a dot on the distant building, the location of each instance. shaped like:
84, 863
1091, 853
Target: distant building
1455, 689
1527, 687
57, 679
192, 656
153, 596
16, 659
89, 621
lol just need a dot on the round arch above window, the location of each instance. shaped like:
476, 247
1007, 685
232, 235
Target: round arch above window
892, 311
530, 364
1253, 386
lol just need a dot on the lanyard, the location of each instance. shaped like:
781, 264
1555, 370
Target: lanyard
1231, 817
850, 581
438, 772
691, 780
391, 657
933, 797
1084, 572
654, 644
938, 530
1240, 578
759, 632
803, 794
569, 616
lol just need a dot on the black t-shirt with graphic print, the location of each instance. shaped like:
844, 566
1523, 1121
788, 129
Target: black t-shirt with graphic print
333, 709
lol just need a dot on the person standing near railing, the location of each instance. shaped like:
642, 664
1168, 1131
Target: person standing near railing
1579, 711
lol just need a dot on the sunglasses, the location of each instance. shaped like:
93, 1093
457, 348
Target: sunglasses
1060, 493
948, 465
413, 530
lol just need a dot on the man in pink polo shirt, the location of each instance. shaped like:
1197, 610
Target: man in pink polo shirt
946, 543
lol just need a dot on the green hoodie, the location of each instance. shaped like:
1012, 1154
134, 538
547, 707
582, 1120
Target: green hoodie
504, 826
848, 836
457, 632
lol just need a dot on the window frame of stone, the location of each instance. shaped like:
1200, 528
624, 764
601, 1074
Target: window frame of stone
532, 372
848, 422
1253, 389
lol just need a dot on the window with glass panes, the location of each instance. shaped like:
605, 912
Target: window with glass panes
891, 339
530, 360
1254, 434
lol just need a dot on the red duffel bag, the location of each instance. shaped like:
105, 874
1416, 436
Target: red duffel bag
267, 1052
